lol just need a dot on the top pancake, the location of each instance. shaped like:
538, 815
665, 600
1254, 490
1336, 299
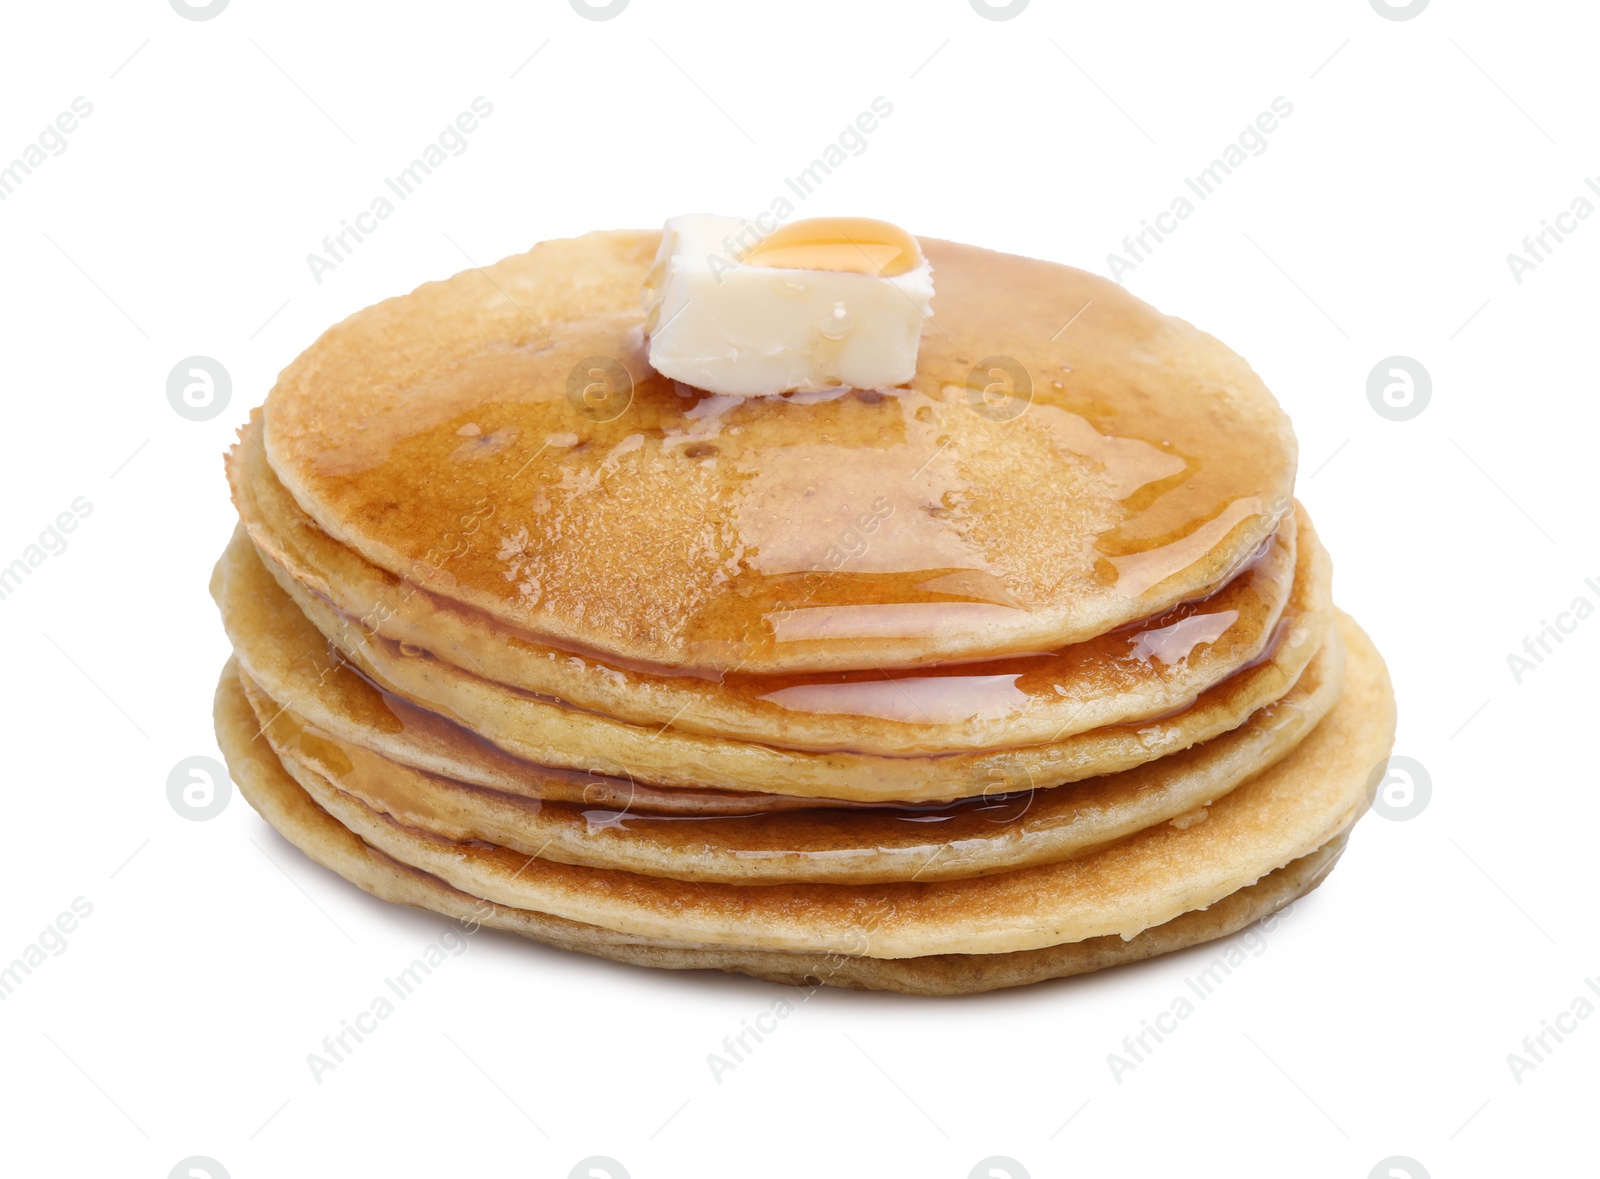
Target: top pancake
448, 437
1153, 668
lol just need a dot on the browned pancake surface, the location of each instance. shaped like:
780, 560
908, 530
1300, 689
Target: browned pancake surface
446, 436
1155, 666
283, 640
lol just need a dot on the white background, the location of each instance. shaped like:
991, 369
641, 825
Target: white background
219, 153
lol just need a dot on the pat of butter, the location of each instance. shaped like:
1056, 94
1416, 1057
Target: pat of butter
814, 305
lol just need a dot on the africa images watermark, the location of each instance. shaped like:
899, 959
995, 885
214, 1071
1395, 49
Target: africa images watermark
1538, 247
1540, 645
737, 1048
1251, 141
766, 1022
338, 1047
851, 141
51, 542
450, 142
52, 141
1538, 1047
51, 943
1138, 1048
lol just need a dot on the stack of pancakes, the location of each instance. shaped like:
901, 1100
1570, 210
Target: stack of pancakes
1024, 670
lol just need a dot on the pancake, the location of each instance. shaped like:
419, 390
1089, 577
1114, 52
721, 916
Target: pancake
928, 843
278, 646
1150, 668
443, 436
1296, 806
324, 690
1026, 668
285, 806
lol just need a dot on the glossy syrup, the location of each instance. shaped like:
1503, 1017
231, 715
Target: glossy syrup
852, 529
854, 245
1233, 617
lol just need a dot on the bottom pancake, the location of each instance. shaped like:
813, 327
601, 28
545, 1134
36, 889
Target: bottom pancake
288, 808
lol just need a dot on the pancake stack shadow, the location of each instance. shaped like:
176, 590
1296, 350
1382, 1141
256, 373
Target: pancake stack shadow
945, 828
